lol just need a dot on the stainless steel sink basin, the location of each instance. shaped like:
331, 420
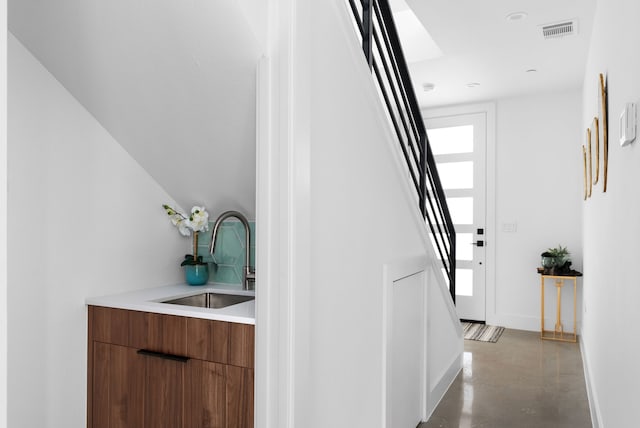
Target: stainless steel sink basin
210, 300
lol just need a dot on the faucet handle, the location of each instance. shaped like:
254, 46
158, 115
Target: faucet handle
249, 277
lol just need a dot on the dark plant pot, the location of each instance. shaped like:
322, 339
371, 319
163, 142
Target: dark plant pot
548, 262
196, 274
560, 261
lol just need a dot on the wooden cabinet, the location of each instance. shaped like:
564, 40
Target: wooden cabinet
153, 370
116, 383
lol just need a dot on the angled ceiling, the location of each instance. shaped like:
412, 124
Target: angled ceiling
480, 45
172, 81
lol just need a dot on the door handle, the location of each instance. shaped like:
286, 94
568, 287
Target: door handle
479, 243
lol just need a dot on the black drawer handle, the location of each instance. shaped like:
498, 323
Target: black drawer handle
171, 357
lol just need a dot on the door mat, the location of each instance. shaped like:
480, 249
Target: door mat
481, 332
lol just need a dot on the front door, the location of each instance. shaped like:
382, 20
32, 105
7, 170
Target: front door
459, 147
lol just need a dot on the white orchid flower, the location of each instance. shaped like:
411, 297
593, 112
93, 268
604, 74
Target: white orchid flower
184, 227
199, 219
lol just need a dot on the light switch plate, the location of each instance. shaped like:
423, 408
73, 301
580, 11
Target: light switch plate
509, 227
628, 124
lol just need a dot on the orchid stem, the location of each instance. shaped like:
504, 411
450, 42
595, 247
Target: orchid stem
195, 247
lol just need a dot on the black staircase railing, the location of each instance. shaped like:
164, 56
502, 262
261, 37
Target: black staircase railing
383, 53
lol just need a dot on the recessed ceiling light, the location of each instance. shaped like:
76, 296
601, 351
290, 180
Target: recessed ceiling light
532, 70
472, 84
516, 16
428, 87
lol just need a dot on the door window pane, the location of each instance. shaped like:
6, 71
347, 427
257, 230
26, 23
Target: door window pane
461, 210
464, 282
464, 249
454, 139
456, 175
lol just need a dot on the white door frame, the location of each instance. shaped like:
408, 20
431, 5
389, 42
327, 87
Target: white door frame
469, 307
489, 109
283, 216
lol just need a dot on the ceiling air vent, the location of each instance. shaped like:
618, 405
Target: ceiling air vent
560, 29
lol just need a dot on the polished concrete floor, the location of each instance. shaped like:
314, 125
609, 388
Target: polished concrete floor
518, 382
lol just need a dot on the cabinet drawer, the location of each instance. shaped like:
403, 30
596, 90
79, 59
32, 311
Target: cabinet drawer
241, 345
158, 332
207, 340
109, 325
142, 330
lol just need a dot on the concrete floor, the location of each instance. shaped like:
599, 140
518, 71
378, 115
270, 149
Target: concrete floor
518, 382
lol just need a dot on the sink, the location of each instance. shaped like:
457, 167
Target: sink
210, 300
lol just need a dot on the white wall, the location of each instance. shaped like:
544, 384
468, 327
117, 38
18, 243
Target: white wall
255, 12
3, 215
611, 228
534, 181
443, 362
168, 80
360, 220
539, 188
84, 219
340, 212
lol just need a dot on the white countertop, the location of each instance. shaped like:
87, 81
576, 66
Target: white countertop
148, 300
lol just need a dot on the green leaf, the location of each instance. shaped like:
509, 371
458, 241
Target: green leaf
189, 260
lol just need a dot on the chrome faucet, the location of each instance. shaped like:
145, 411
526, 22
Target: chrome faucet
248, 271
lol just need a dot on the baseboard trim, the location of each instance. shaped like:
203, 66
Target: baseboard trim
594, 409
443, 385
529, 323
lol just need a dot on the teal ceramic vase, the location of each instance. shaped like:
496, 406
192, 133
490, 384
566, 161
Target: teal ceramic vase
196, 274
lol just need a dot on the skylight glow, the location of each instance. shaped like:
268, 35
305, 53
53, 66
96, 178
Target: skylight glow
417, 43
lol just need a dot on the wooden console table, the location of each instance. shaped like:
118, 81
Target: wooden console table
558, 332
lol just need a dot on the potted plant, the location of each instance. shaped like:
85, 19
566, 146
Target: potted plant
556, 259
196, 270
